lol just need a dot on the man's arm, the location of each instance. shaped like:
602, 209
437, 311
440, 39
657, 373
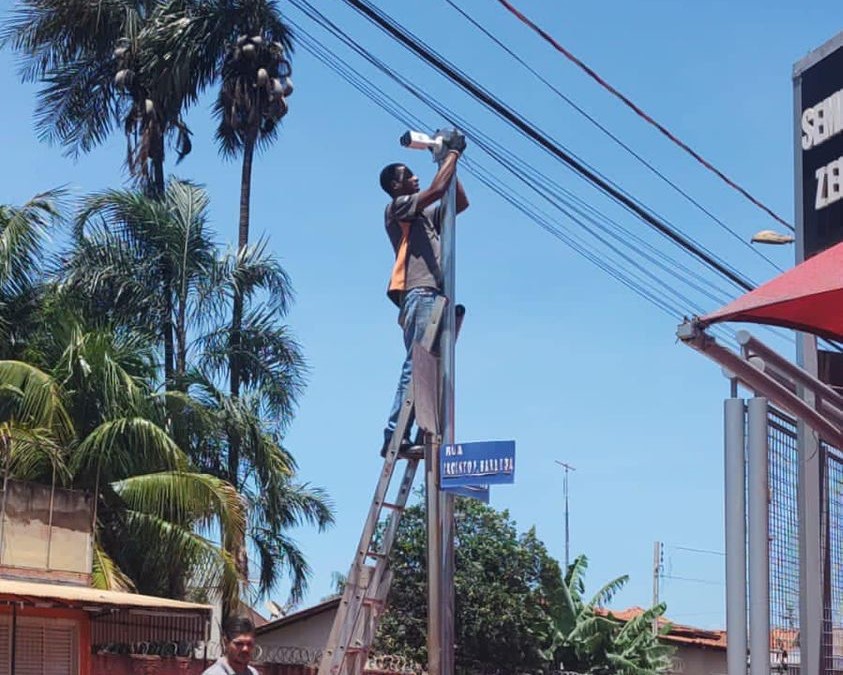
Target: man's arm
440, 182
462, 200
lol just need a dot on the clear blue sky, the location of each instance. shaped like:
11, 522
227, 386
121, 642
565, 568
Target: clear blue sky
554, 353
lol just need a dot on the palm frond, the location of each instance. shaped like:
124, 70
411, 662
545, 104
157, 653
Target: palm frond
105, 573
185, 497
604, 596
30, 397
208, 565
120, 448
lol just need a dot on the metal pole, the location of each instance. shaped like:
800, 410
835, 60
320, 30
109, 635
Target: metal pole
447, 352
735, 513
567, 525
657, 556
434, 557
759, 554
567, 468
809, 475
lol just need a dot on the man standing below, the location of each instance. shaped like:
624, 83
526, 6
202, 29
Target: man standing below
239, 635
413, 224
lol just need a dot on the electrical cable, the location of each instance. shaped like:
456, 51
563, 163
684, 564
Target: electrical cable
325, 23
392, 107
344, 71
630, 104
400, 34
596, 123
727, 334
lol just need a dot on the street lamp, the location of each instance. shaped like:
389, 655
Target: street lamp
772, 237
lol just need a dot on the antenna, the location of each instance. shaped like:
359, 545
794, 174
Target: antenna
568, 468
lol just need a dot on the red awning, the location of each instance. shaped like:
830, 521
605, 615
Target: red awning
808, 297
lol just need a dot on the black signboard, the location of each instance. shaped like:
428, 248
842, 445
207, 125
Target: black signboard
821, 127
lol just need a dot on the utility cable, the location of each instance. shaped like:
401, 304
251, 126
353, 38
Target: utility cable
331, 27
398, 111
756, 251
727, 333
647, 118
366, 9
507, 162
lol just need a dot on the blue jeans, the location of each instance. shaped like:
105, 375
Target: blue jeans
416, 308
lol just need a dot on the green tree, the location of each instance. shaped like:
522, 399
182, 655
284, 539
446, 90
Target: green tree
507, 590
95, 76
23, 231
588, 639
243, 46
122, 240
87, 419
145, 263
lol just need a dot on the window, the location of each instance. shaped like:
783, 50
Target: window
43, 646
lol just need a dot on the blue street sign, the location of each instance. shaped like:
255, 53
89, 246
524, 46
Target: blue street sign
479, 492
484, 463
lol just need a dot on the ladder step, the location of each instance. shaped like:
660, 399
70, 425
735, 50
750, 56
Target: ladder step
375, 554
394, 507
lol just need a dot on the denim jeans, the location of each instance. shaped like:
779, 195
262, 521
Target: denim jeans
416, 308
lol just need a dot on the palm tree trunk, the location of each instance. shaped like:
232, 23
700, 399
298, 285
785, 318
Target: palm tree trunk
158, 188
237, 310
238, 548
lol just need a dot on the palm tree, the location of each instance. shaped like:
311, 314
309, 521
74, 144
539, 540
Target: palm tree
244, 46
87, 419
23, 232
122, 239
88, 57
142, 262
272, 374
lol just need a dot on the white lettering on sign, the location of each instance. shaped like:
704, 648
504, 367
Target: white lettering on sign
822, 121
829, 184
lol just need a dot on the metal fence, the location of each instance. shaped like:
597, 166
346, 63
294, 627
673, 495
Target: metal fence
784, 550
784, 543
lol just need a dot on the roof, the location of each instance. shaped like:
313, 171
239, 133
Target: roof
679, 634
85, 597
329, 605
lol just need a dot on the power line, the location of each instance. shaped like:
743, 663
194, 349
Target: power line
636, 282
399, 34
705, 582
632, 281
630, 104
756, 251
697, 550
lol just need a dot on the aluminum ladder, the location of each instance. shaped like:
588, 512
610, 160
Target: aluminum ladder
366, 588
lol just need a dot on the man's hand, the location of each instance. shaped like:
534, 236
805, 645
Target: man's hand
456, 142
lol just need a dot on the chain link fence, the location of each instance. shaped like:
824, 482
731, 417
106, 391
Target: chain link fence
784, 550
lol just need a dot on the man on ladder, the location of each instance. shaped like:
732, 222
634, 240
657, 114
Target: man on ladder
413, 224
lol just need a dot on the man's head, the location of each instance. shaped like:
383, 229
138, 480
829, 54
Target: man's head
239, 635
398, 179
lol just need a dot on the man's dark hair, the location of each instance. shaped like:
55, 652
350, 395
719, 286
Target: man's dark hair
388, 175
238, 625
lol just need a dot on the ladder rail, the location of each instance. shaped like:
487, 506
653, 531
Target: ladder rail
355, 592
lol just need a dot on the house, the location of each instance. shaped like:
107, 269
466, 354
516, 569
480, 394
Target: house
52, 621
298, 637
301, 636
698, 651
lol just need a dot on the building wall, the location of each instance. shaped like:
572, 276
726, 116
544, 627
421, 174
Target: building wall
77, 617
311, 633
46, 533
694, 660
